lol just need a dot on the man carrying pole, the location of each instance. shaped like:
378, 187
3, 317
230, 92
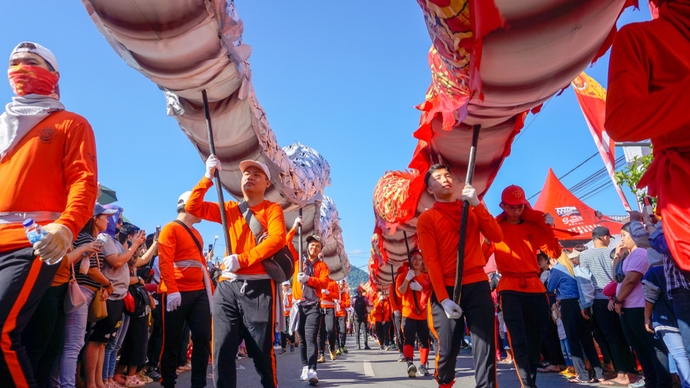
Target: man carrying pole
342, 304
307, 293
394, 301
244, 301
438, 229
521, 294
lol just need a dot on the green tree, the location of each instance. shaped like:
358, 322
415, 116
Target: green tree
630, 176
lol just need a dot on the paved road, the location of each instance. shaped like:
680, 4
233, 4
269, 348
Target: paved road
370, 368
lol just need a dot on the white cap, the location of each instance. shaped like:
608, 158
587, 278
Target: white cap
38, 50
182, 201
248, 163
286, 283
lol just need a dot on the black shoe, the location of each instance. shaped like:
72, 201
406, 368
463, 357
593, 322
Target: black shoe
422, 370
366, 347
359, 347
153, 374
411, 370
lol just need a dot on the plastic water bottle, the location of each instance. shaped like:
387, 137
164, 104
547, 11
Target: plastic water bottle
33, 231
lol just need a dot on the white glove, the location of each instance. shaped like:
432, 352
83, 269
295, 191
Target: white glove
414, 286
453, 311
381, 298
469, 194
410, 275
298, 222
212, 164
232, 263
302, 278
53, 246
548, 219
325, 291
174, 301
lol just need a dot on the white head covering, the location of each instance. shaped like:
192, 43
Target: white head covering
38, 50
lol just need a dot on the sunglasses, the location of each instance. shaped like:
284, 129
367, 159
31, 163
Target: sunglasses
119, 220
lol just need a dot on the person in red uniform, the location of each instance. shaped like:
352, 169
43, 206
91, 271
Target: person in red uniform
329, 294
438, 229
382, 316
412, 286
244, 305
396, 319
307, 293
285, 337
522, 295
186, 298
48, 171
649, 79
342, 304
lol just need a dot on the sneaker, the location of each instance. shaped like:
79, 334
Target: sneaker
366, 347
133, 381
401, 358
411, 370
321, 358
338, 352
334, 355
292, 348
637, 384
142, 377
154, 374
282, 351
344, 350
312, 377
388, 348
305, 373
381, 347
422, 370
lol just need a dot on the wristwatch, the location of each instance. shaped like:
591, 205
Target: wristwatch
617, 301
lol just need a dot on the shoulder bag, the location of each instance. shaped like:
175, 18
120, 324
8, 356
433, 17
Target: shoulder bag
74, 298
98, 308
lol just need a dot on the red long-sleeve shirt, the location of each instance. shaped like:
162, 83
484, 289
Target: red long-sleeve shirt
175, 244
438, 241
243, 242
344, 303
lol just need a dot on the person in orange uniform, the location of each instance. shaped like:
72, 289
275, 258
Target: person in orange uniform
329, 294
396, 319
186, 298
286, 337
307, 292
244, 303
48, 171
522, 295
382, 316
411, 286
649, 79
342, 304
438, 229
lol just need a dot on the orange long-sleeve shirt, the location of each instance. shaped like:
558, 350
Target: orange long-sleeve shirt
175, 244
287, 304
53, 168
438, 241
344, 303
382, 310
288, 240
243, 242
409, 309
333, 294
393, 298
319, 281
516, 255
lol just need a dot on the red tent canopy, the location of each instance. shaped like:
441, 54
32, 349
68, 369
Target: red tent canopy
569, 212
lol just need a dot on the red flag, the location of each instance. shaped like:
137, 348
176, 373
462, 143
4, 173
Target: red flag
592, 99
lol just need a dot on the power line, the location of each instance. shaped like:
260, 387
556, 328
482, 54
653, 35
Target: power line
566, 174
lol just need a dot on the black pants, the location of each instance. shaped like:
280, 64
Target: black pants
411, 330
397, 324
342, 330
361, 328
478, 310
308, 329
551, 344
327, 330
579, 335
23, 281
609, 324
243, 310
184, 345
156, 338
525, 315
285, 336
383, 329
134, 346
44, 335
650, 351
195, 311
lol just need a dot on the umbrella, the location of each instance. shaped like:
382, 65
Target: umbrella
107, 196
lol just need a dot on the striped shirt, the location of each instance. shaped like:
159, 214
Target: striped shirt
598, 261
96, 261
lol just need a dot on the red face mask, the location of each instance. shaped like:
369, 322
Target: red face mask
27, 79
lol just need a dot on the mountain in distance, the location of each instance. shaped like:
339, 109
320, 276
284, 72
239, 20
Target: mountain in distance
355, 278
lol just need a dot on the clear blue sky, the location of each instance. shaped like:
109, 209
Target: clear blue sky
342, 78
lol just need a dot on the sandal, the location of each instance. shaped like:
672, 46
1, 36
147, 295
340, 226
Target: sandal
549, 369
576, 380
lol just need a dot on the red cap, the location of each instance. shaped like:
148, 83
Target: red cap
513, 196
